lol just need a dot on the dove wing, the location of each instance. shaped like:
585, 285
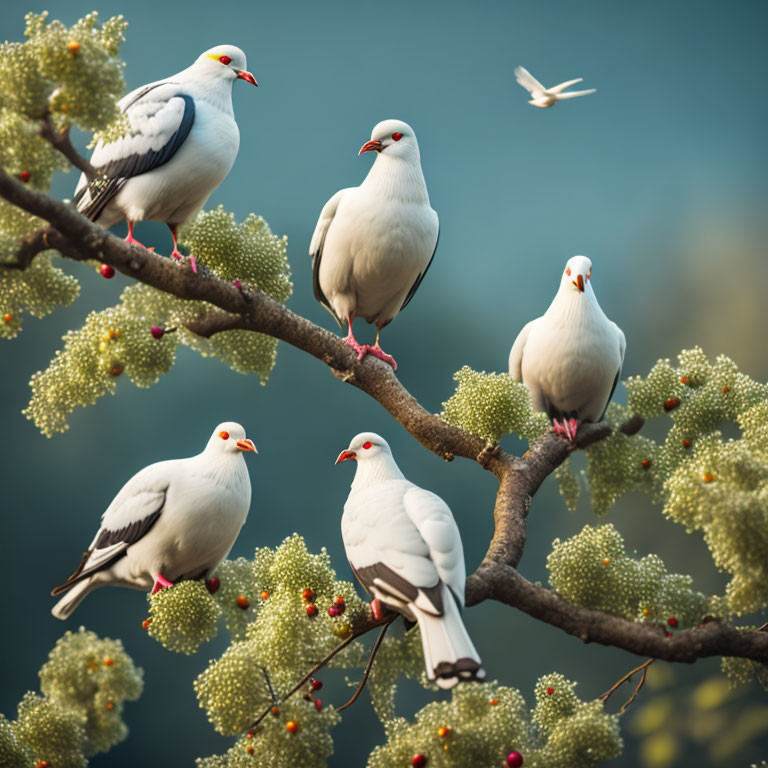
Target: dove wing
417, 283
528, 81
316, 247
574, 94
160, 119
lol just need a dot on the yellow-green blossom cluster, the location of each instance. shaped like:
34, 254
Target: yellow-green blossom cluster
84, 684
119, 340
491, 404
742, 671
71, 72
704, 482
184, 616
482, 723
593, 569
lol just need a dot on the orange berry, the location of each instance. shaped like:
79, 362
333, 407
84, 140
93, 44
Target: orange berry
42, 764
606, 560
291, 726
494, 702
709, 478
110, 705
275, 711
264, 595
73, 47
8, 317
645, 463
683, 379
249, 749
308, 595
671, 404
242, 602
726, 390
145, 624
645, 611
108, 662
443, 731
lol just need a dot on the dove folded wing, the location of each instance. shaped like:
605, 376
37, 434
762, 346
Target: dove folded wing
316, 247
516, 354
416, 284
160, 120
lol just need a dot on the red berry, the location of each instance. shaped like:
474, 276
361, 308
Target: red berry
157, 332
514, 760
672, 621
145, 624
213, 585
550, 691
308, 595
318, 705
242, 602
237, 284
671, 404
316, 685
7, 317
645, 463
726, 390
275, 711
709, 478
686, 443
311, 610
25, 176
418, 760
333, 611
684, 379
107, 271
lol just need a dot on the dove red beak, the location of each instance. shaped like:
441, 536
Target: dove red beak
246, 445
345, 456
247, 76
579, 282
370, 146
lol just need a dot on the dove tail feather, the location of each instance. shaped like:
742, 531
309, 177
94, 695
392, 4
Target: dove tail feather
449, 654
73, 579
74, 596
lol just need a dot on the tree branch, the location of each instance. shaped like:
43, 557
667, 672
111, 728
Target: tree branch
519, 478
61, 141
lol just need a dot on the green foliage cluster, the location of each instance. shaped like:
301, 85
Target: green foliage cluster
118, 340
704, 481
72, 75
84, 684
485, 722
593, 569
492, 404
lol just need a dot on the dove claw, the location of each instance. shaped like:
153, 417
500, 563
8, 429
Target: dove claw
176, 254
361, 349
377, 351
160, 583
376, 609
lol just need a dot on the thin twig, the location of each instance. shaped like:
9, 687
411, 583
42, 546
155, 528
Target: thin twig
272, 693
369, 665
644, 666
639, 685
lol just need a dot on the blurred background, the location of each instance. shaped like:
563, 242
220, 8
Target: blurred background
659, 177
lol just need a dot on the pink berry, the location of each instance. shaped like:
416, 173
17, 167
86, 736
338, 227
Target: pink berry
157, 332
237, 284
514, 760
212, 584
107, 271
333, 611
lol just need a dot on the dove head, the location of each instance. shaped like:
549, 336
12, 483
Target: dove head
392, 138
229, 438
577, 273
373, 456
223, 63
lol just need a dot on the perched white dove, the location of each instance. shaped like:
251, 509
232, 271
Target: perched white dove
403, 545
570, 358
547, 97
172, 520
373, 244
182, 144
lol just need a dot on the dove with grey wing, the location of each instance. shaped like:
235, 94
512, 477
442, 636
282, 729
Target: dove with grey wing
405, 548
171, 521
181, 143
374, 243
570, 358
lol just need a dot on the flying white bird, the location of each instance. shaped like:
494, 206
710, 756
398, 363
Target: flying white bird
570, 358
547, 97
403, 545
182, 143
172, 520
374, 243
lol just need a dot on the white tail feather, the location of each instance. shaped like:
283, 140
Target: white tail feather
65, 607
445, 640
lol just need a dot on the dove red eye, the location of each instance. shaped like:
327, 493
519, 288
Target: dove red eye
397, 136
224, 435
367, 445
225, 60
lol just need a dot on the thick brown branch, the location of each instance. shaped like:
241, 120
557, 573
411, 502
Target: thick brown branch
61, 141
519, 478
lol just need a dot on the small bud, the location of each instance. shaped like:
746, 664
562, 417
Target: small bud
107, 271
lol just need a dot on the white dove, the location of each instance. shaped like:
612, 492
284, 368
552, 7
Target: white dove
182, 143
374, 243
404, 546
570, 358
547, 97
172, 520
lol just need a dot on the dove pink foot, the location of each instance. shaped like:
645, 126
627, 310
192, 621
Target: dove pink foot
350, 340
130, 239
376, 609
567, 429
176, 253
161, 583
377, 351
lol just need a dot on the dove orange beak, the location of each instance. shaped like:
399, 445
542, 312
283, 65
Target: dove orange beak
346, 456
246, 445
247, 76
579, 282
370, 146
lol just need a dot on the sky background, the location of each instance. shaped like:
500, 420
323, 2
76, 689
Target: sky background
660, 178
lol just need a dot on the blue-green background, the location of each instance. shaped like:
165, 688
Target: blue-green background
660, 178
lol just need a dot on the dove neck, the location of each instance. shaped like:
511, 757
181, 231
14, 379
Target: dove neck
205, 85
376, 470
398, 177
224, 469
575, 308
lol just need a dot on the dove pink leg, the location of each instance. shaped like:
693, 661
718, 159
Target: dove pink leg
130, 239
567, 429
176, 253
377, 351
161, 583
349, 339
